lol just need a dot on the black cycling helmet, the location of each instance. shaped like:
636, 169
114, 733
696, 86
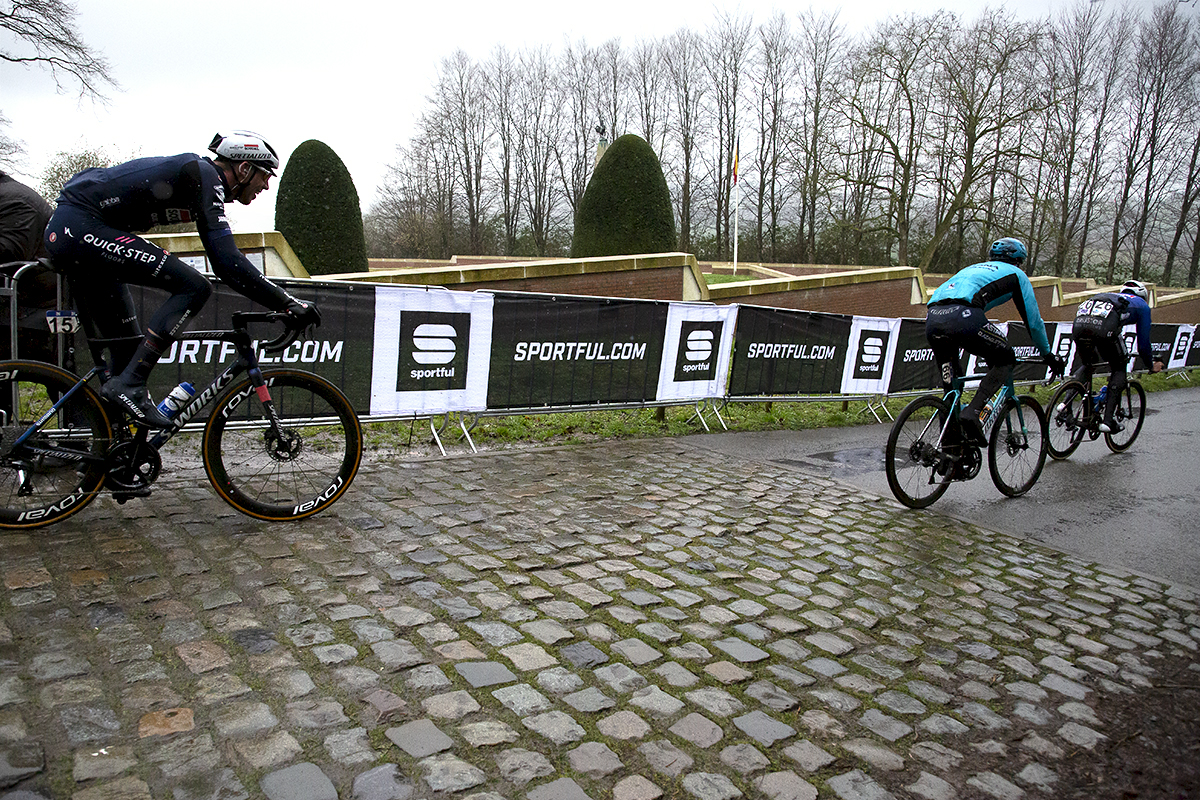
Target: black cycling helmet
1009, 250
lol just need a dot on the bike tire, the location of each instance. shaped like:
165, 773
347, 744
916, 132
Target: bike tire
1130, 412
289, 479
41, 488
913, 438
1065, 428
1017, 446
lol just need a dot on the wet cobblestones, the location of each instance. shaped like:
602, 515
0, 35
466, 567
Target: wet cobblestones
631, 620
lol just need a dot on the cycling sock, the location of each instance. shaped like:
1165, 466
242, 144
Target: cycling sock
143, 360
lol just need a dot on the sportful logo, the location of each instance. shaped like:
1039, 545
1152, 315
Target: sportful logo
1181, 347
433, 351
872, 348
697, 356
433, 343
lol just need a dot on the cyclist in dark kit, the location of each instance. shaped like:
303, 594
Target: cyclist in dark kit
1097, 333
91, 241
956, 318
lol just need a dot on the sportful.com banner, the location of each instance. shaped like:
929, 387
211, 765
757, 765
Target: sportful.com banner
548, 351
784, 352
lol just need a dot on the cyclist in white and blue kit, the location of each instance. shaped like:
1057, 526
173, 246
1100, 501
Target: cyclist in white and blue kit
956, 317
1099, 321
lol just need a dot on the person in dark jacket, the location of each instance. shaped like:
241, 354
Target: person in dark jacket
23, 217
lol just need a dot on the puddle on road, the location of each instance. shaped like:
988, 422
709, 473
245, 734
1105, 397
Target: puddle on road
854, 461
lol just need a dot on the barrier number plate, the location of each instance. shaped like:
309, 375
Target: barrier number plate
62, 321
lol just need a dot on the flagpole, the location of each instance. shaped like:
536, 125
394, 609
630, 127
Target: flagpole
737, 200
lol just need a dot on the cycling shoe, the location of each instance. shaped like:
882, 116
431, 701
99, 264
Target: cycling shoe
135, 401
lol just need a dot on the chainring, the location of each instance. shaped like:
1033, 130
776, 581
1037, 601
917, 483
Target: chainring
126, 475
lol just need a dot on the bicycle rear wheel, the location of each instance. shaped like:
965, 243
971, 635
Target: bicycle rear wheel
1065, 419
1130, 412
57, 470
912, 453
1017, 446
293, 475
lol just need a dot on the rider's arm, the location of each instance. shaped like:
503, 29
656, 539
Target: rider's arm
1027, 306
1141, 321
228, 262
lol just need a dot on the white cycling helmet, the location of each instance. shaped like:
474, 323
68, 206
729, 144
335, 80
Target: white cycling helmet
246, 146
1137, 288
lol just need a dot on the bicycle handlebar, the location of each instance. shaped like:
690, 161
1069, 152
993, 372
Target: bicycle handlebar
243, 318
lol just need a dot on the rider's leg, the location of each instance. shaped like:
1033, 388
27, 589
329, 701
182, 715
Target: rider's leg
989, 343
1114, 352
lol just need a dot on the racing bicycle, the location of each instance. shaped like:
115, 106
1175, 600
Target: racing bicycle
278, 444
1075, 411
927, 448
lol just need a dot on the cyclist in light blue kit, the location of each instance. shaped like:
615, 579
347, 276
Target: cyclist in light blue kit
1097, 333
956, 318
91, 240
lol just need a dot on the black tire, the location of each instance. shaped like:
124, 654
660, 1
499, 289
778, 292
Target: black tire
38, 487
910, 456
1065, 426
287, 479
1017, 446
1130, 412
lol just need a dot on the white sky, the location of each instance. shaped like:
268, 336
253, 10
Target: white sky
353, 74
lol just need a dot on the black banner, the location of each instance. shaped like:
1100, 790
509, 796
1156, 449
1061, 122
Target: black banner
553, 351
340, 349
781, 352
1162, 342
915, 367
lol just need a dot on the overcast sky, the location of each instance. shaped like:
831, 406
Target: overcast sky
353, 74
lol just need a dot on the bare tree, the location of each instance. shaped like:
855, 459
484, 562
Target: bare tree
1087, 48
1188, 197
465, 117
988, 90
539, 125
728, 49
43, 33
889, 95
689, 89
821, 47
648, 79
773, 73
580, 76
502, 77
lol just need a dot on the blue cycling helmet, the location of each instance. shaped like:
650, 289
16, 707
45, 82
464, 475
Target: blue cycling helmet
1009, 250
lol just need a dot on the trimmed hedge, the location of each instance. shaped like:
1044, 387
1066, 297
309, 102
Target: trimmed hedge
626, 208
317, 211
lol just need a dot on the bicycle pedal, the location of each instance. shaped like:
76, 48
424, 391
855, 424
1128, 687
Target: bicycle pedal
122, 495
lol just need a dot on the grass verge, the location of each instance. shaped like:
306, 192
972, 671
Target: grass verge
579, 427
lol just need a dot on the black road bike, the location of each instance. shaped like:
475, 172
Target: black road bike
1075, 412
278, 444
927, 449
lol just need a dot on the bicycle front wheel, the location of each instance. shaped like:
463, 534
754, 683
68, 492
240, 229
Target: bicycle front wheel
912, 454
290, 473
1017, 446
58, 469
1130, 412
1065, 419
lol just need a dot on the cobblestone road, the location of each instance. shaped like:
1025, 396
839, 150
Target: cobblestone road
626, 620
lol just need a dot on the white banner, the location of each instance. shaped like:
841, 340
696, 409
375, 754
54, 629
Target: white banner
696, 351
1183, 342
431, 352
872, 349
